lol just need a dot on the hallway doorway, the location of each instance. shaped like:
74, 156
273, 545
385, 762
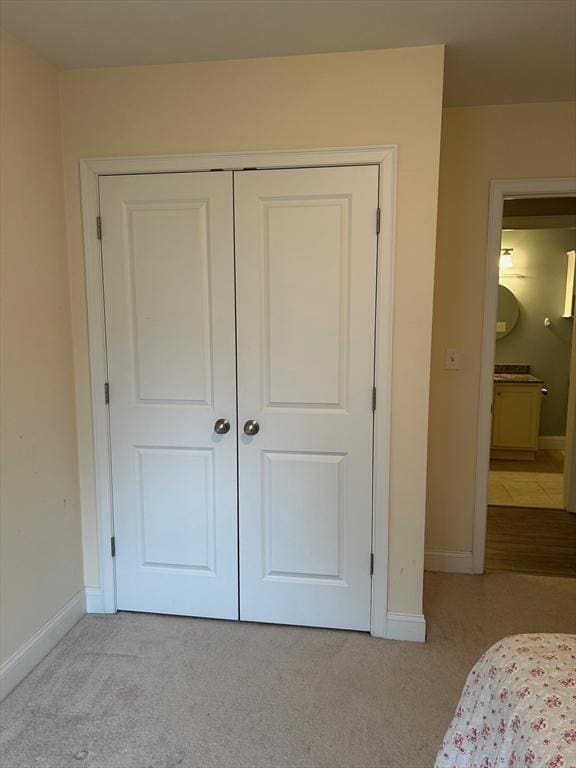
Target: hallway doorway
527, 365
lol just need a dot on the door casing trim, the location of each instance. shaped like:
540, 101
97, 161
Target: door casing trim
382, 156
499, 191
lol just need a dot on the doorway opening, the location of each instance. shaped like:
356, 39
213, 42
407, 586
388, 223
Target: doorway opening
528, 526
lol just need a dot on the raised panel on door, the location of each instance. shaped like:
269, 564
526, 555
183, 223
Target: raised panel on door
303, 502
170, 274
306, 275
168, 265
176, 510
306, 302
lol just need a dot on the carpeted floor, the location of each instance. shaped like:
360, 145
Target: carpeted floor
146, 691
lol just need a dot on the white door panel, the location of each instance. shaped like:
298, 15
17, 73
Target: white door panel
303, 499
168, 263
306, 265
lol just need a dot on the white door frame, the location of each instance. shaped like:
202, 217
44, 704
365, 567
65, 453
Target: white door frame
90, 170
499, 190
570, 446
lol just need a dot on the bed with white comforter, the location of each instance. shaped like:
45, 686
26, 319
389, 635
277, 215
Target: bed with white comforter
518, 707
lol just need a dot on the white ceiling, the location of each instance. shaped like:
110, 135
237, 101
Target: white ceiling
499, 51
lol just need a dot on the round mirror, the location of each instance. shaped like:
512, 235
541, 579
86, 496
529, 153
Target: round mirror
508, 312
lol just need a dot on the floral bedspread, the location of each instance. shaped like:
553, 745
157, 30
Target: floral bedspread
518, 707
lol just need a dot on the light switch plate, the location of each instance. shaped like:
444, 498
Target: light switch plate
452, 360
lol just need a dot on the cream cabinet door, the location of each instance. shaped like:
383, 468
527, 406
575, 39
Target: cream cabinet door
516, 416
168, 259
306, 266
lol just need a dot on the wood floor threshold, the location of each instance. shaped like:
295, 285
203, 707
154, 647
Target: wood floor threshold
531, 540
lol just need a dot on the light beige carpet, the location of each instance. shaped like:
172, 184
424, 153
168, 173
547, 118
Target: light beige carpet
145, 691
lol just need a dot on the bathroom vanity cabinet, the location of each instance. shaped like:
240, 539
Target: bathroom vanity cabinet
516, 417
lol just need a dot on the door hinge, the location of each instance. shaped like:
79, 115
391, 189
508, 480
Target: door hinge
373, 398
371, 563
106, 393
378, 216
98, 227
113, 546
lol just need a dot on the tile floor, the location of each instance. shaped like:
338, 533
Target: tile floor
537, 483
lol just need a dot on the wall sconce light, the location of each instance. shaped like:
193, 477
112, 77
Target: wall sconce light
506, 258
506, 264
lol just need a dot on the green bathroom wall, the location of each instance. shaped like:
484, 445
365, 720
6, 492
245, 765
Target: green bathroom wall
539, 255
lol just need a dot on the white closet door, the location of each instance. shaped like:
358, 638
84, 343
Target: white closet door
306, 267
168, 260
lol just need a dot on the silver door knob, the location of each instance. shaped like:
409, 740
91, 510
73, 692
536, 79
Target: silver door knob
222, 426
251, 427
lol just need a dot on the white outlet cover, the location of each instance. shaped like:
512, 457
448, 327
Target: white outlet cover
501, 326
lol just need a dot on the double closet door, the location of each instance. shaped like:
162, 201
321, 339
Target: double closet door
240, 340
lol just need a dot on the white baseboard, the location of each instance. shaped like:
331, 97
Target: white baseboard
551, 442
94, 600
406, 626
448, 562
20, 664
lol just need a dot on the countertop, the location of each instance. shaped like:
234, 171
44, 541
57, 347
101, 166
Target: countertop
516, 378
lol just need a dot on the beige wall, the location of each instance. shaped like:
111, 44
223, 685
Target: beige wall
40, 557
374, 97
478, 144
